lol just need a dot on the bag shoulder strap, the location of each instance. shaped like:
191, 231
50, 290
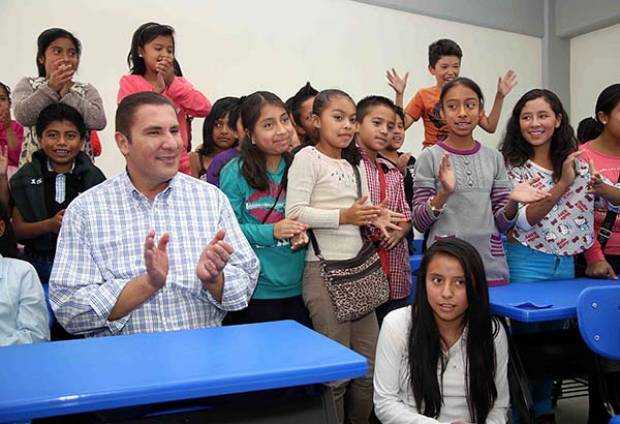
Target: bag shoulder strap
274, 204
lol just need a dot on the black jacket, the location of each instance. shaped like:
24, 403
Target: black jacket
28, 193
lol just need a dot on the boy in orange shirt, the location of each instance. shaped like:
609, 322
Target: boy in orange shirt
444, 63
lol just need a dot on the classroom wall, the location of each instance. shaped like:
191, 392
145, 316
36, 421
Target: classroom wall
595, 64
233, 47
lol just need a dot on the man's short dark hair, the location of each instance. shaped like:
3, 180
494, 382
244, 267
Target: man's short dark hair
129, 105
58, 112
443, 47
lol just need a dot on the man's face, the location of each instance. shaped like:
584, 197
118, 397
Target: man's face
154, 148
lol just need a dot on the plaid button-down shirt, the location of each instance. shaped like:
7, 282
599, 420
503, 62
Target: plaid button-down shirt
400, 271
101, 248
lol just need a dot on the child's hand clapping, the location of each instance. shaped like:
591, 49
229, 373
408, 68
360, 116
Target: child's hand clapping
359, 213
568, 168
165, 73
447, 179
288, 228
526, 192
60, 76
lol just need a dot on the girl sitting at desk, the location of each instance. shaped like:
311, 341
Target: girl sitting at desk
449, 325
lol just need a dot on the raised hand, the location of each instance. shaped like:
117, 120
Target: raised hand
213, 259
526, 192
165, 68
156, 259
569, 169
396, 82
506, 83
359, 213
447, 179
61, 75
287, 228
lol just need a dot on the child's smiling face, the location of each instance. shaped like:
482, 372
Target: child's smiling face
446, 69
461, 109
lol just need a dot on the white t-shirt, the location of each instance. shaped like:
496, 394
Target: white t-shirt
393, 397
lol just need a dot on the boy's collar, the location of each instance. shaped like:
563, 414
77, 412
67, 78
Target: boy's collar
50, 167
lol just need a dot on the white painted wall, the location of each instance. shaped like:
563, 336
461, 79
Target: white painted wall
595, 64
234, 47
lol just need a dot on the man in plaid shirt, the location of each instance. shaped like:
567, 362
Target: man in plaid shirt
376, 116
151, 249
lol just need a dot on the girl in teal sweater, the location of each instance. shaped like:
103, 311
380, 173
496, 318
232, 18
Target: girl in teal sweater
255, 184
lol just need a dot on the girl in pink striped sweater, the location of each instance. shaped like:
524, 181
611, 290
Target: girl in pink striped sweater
153, 67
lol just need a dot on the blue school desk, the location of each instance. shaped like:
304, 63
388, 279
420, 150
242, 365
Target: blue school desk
68, 377
540, 301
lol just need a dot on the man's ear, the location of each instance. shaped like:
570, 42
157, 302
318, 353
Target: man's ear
122, 142
2, 228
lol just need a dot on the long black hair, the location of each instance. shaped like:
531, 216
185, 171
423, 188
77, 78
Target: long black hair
145, 34
223, 106
425, 351
253, 161
8, 242
606, 102
46, 38
517, 150
322, 100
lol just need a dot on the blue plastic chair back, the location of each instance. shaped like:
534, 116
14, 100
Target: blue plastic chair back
598, 315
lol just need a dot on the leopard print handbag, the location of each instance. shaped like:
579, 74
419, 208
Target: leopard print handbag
356, 286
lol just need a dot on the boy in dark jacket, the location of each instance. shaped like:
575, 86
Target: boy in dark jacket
42, 189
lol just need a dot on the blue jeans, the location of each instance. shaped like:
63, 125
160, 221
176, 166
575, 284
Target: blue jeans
527, 265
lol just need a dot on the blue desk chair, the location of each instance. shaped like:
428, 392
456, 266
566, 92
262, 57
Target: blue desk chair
598, 315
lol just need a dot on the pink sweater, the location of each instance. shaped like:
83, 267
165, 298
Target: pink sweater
12, 154
188, 100
608, 166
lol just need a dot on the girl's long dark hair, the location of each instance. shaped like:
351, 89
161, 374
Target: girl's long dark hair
254, 163
517, 150
144, 34
223, 106
425, 351
606, 102
8, 242
46, 38
322, 100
